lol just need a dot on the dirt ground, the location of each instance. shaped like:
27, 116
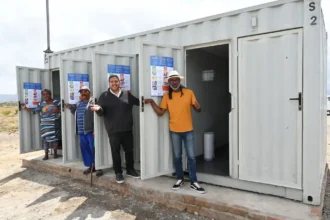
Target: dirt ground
29, 194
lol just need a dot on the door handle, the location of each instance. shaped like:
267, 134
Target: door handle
19, 106
62, 105
299, 99
142, 103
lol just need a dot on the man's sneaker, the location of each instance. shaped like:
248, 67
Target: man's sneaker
178, 184
119, 178
132, 173
195, 186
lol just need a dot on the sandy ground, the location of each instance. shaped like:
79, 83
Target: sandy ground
29, 194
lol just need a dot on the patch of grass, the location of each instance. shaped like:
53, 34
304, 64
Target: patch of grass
6, 113
8, 119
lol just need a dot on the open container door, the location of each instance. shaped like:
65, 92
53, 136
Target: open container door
73, 74
125, 66
30, 82
156, 149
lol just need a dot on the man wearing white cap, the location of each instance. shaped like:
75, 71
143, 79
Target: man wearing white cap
85, 128
178, 101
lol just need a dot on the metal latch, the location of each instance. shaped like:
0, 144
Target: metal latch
299, 99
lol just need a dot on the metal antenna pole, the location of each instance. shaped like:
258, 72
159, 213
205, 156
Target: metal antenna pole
48, 35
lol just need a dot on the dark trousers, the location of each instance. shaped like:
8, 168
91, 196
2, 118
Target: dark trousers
126, 140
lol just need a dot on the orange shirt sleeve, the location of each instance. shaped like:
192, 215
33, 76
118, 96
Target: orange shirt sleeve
163, 103
193, 98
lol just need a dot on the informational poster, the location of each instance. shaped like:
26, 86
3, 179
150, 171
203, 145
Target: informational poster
32, 94
75, 81
124, 74
159, 69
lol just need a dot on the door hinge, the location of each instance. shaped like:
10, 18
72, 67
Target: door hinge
142, 103
62, 106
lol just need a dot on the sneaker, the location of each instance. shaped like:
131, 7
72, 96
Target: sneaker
195, 186
119, 178
178, 184
132, 173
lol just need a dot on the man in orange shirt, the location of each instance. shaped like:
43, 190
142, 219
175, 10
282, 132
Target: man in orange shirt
178, 101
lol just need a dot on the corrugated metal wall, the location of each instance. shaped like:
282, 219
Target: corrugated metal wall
215, 28
227, 26
70, 140
29, 124
323, 86
314, 103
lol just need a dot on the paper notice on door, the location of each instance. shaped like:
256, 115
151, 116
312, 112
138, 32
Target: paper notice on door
75, 81
32, 94
159, 68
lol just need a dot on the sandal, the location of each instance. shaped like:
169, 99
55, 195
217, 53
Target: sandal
99, 173
87, 171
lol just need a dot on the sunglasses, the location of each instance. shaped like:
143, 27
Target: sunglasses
173, 80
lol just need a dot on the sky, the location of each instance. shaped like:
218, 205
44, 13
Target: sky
79, 22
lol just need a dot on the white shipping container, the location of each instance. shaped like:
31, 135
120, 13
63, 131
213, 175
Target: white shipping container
265, 102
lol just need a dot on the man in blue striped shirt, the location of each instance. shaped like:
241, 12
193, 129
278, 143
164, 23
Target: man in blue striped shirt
85, 128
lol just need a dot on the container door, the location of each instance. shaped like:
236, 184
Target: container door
30, 82
270, 108
156, 150
73, 74
125, 66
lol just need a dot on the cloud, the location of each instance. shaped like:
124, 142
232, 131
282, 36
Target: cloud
79, 22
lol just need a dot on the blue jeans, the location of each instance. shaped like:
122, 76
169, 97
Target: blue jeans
188, 140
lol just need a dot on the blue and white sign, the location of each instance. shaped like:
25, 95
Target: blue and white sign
159, 68
32, 94
124, 74
75, 81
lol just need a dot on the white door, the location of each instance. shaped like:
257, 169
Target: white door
101, 64
80, 70
29, 130
270, 108
156, 151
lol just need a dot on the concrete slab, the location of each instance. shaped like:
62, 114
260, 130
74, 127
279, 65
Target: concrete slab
217, 203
